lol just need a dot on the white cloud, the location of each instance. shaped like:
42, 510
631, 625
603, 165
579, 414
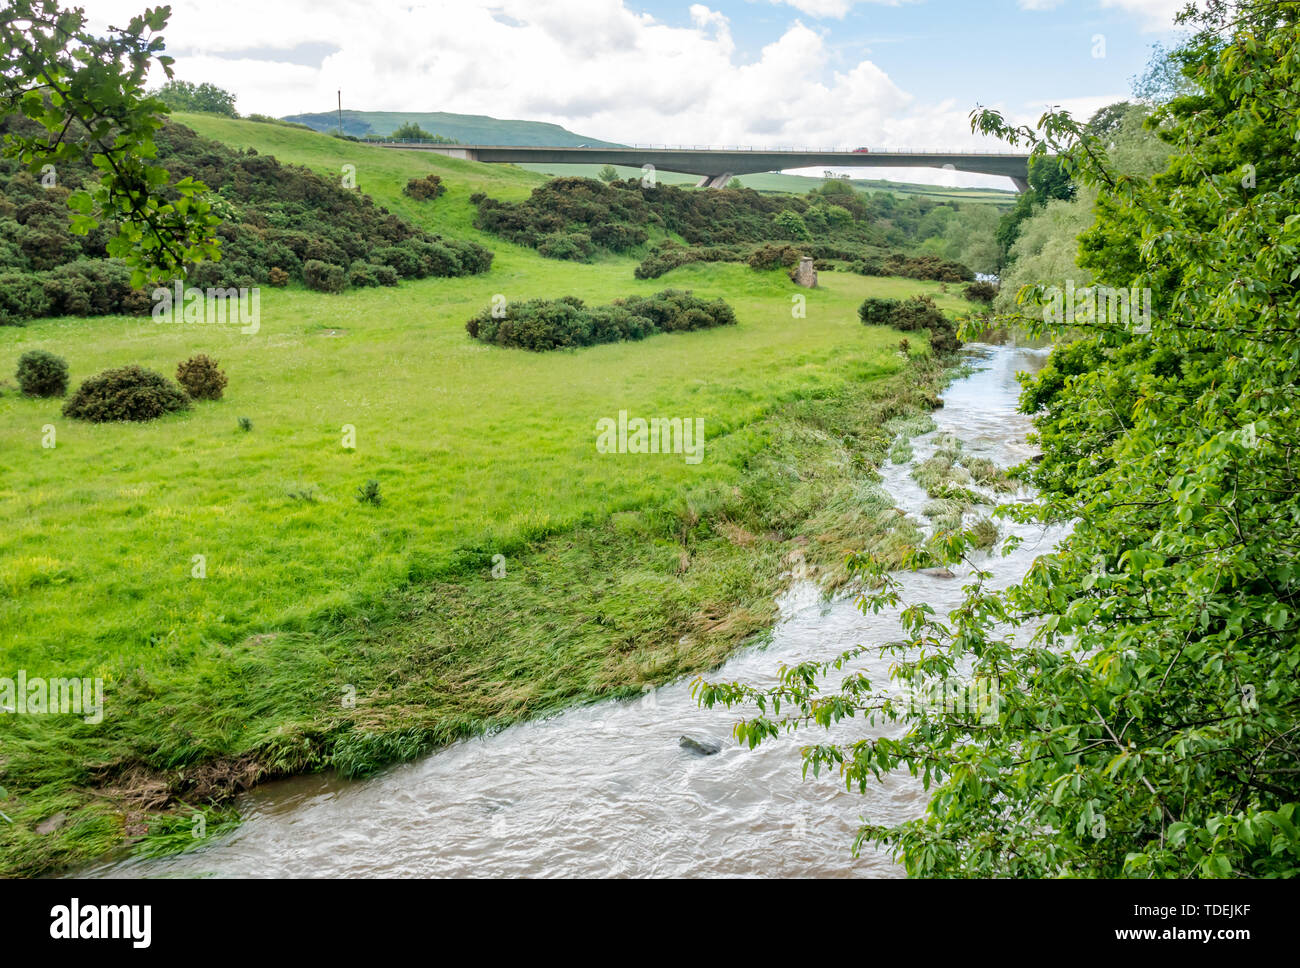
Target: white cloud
1154, 14
837, 9
594, 66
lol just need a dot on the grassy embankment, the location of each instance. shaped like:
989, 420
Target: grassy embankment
620, 570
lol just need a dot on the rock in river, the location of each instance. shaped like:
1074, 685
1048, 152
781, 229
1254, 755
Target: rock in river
700, 745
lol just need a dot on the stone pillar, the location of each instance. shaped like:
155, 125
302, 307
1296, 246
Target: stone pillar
805, 275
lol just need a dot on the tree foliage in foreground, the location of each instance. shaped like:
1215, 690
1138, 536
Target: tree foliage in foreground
87, 94
1147, 722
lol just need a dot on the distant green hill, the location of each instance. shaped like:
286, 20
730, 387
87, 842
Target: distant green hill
470, 129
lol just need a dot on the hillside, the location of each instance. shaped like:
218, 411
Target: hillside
465, 128
476, 450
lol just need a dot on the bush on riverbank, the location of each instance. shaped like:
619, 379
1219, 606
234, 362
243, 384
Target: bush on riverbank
910, 315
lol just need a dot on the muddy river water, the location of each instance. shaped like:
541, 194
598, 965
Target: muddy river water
606, 790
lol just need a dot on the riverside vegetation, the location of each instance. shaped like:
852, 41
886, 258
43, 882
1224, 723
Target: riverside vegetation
261, 599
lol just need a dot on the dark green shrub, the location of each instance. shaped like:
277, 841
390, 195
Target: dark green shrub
425, 189
201, 377
274, 217
474, 258
436, 259
877, 312
324, 250
911, 315
774, 257
574, 246
918, 312
547, 324
362, 275
22, 296
323, 276
618, 237
42, 374
126, 393
984, 292
385, 275
404, 262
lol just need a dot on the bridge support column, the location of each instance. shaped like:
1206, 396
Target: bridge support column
714, 181
1020, 183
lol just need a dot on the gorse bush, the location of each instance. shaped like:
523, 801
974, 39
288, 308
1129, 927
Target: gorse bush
928, 267
126, 393
911, 315
324, 276
984, 292
362, 274
276, 218
42, 374
201, 377
425, 189
669, 255
548, 324
620, 215
774, 257
877, 312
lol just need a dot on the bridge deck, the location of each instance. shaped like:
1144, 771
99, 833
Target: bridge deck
715, 164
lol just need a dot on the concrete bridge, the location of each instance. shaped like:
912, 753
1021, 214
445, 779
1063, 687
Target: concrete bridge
717, 166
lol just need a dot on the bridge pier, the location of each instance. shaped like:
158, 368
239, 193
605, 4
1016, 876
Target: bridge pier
714, 181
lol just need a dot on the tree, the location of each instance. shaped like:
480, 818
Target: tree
1148, 722
834, 187
86, 97
184, 96
1164, 78
607, 174
1048, 179
410, 131
791, 225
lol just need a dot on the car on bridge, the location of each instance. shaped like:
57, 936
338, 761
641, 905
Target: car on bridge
861, 151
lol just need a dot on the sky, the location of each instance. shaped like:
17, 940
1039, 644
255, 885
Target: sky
810, 73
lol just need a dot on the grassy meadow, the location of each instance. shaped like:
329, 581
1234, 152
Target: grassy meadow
619, 569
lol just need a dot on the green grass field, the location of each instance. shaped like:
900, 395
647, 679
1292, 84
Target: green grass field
478, 451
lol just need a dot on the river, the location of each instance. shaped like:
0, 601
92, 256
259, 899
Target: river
605, 790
